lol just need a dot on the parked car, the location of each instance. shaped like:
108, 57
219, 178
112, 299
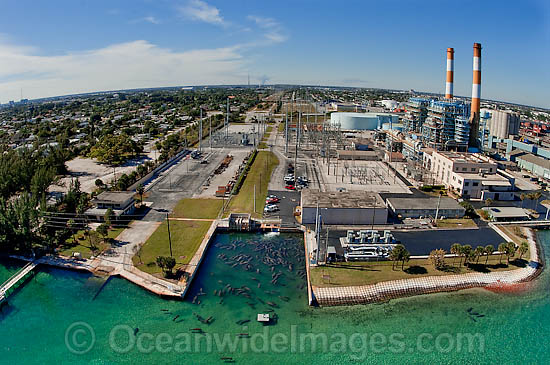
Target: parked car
272, 200
290, 187
270, 208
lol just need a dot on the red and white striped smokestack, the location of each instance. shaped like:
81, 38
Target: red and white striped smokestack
450, 73
476, 83
476, 96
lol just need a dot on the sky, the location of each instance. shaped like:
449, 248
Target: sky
59, 47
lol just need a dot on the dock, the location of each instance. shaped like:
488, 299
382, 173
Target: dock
16, 279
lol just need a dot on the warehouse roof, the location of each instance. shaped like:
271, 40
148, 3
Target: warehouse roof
344, 199
115, 197
507, 212
537, 160
424, 203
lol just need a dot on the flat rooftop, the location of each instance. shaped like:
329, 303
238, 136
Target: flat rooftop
507, 212
345, 199
114, 196
466, 157
424, 203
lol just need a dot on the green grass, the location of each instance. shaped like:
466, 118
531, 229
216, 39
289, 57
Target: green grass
262, 145
259, 175
366, 273
186, 238
83, 243
281, 127
197, 208
456, 223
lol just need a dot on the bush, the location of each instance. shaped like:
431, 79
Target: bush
240, 182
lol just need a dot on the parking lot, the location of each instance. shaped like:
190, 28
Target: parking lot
288, 201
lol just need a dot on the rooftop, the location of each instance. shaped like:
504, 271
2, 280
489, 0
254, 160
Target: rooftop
114, 196
345, 199
507, 212
424, 203
537, 160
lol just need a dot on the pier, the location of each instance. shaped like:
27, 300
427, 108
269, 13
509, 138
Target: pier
15, 280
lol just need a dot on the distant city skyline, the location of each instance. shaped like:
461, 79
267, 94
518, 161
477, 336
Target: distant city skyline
66, 47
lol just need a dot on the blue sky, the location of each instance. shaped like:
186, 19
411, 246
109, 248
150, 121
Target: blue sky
56, 47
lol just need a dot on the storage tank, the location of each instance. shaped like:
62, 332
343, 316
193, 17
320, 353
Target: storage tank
362, 121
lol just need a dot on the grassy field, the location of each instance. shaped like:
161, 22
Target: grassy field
281, 127
83, 243
365, 273
186, 238
197, 208
456, 223
262, 145
259, 175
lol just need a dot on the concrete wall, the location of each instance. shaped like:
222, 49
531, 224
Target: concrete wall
417, 213
346, 216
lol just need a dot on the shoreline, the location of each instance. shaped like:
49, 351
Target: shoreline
387, 290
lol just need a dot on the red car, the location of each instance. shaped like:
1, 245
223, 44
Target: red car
290, 187
272, 200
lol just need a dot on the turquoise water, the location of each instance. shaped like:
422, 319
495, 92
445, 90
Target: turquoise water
425, 329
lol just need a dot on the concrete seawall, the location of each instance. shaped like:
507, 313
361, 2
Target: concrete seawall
387, 290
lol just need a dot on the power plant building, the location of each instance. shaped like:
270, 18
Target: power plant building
502, 124
362, 121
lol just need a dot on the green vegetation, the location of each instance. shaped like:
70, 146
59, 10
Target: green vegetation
470, 211
197, 208
366, 273
243, 175
166, 264
281, 127
186, 238
115, 150
259, 175
86, 242
456, 223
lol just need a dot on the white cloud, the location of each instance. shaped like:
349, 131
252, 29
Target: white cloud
274, 32
201, 11
129, 65
148, 19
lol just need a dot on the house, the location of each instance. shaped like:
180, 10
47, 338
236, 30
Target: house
121, 203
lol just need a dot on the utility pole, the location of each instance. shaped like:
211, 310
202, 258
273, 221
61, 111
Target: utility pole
200, 132
254, 198
286, 133
210, 133
169, 236
437, 210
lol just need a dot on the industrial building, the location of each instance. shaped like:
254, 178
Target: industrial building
417, 111
343, 208
471, 175
425, 207
500, 214
536, 165
502, 124
362, 121
446, 127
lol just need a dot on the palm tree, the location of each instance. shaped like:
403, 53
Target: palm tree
501, 250
511, 249
489, 249
399, 253
523, 249
455, 250
488, 201
522, 197
479, 251
466, 251
140, 190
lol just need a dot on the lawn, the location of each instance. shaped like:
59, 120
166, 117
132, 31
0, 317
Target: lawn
456, 223
83, 243
186, 238
281, 127
259, 175
197, 208
365, 273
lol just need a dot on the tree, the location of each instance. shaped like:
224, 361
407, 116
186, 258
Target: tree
99, 183
466, 251
479, 251
109, 217
510, 251
166, 263
437, 257
489, 249
470, 211
522, 197
456, 250
140, 190
103, 230
536, 197
523, 249
488, 202
399, 253
502, 250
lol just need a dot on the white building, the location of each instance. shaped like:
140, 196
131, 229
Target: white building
471, 175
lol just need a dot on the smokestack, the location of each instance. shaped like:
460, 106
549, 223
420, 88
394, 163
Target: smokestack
476, 95
450, 73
